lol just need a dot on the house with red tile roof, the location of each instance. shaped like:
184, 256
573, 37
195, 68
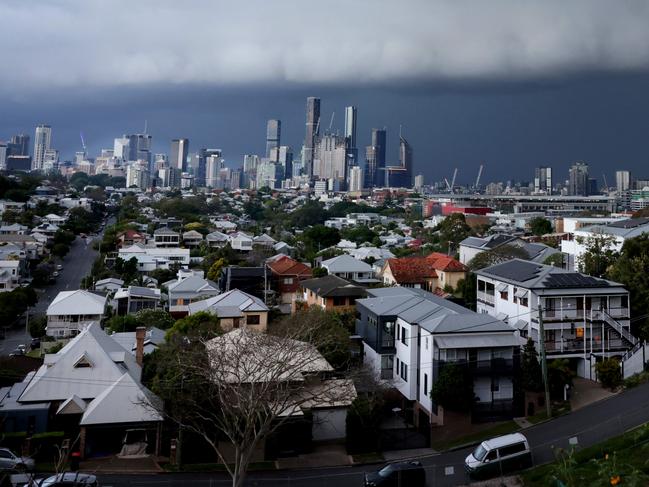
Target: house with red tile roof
129, 237
432, 272
287, 274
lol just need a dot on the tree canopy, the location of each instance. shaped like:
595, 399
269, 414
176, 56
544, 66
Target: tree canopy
540, 226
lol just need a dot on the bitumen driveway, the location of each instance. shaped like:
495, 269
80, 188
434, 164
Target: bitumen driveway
76, 265
588, 426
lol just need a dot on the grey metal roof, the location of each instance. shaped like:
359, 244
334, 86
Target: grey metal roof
332, 286
630, 228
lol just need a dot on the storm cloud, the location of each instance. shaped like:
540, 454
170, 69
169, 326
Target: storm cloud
81, 43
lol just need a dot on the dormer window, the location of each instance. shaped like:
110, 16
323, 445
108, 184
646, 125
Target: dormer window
83, 362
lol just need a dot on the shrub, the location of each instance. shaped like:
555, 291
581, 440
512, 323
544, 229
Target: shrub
609, 372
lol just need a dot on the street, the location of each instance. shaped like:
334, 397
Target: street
76, 265
588, 426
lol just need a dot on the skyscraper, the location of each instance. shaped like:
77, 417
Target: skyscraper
401, 176
330, 157
19, 145
543, 180
179, 151
375, 160
284, 155
623, 180
578, 182
355, 179
312, 131
350, 135
198, 167
273, 135
42, 143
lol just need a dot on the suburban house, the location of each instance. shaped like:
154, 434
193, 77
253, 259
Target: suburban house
14, 229
152, 258
192, 239
410, 335
618, 231
331, 293
241, 242
131, 299
347, 267
319, 411
72, 311
472, 246
264, 240
153, 338
110, 284
376, 253
286, 276
235, 309
434, 272
93, 385
217, 239
585, 318
130, 237
252, 280
187, 288
9, 274
166, 237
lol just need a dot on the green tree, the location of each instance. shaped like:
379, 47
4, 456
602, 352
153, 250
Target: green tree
319, 237
453, 230
466, 289
79, 180
599, 254
158, 318
118, 324
319, 272
609, 372
37, 325
500, 254
363, 424
632, 270
310, 213
203, 325
559, 375
215, 269
60, 250
540, 226
531, 377
453, 389
359, 235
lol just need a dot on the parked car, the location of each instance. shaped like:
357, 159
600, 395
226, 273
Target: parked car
11, 461
498, 456
36, 343
59, 267
55, 273
69, 479
410, 473
17, 352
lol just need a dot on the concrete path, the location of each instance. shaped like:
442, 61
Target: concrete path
585, 392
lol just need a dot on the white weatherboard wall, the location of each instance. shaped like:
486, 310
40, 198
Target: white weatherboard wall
634, 364
406, 353
426, 368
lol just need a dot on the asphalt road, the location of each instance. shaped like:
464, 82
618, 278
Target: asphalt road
585, 427
76, 265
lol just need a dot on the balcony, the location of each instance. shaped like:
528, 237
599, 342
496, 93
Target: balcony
576, 345
496, 366
486, 298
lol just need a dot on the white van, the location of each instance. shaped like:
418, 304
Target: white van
498, 456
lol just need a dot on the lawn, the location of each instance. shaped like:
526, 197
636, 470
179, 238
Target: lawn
620, 460
558, 409
498, 430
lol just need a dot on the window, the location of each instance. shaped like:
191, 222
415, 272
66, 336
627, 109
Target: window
404, 371
425, 384
288, 280
426, 343
492, 455
495, 384
512, 449
524, 302
253, 319
515, 297
504, 295
339, 301
403, 336
398, 366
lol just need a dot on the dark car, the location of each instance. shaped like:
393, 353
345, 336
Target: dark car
69, 479
36, 343
410, 473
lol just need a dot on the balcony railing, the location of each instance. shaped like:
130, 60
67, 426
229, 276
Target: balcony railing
572, 345
566, 315
486, 298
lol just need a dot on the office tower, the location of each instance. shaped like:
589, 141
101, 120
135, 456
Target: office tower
42, 143
18, 163
235, 178
19, 145
401, 176
375, 159
269, 174
419, 182
355, 178
273, 135
178, 155
543, 180
196, 167
213, 165
350, 135
250, 164
593, 186
121, 148
4, 152
312, 131
283, 155
578, 181
623, 180
330, 157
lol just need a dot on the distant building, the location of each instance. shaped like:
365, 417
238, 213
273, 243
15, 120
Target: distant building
42, 142
312, 131
578, 182
19, 145
179, 152
543, 180
355, 179
273, 135
213, 165
419, 182
623, 180
375, 159
330, 157
401, 176
351, 115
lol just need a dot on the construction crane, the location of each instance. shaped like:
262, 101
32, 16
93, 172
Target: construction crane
331, 122
83, 143
605, 182
477, 180
453, 180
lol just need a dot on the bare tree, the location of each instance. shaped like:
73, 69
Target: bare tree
242, 386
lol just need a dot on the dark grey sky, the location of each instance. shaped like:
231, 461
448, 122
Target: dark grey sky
507, 82
512, 127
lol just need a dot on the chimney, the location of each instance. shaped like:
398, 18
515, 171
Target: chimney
140, 333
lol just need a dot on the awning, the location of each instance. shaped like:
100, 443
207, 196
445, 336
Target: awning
502, 287
521, 324
502, 316
477, 341
521, 293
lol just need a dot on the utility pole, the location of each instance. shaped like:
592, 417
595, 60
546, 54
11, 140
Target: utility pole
544, 362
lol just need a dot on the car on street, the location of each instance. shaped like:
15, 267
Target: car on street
35, 343
397, 474
68, 479
498, 456
59, 267
16, 352
10, 461
55, 273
